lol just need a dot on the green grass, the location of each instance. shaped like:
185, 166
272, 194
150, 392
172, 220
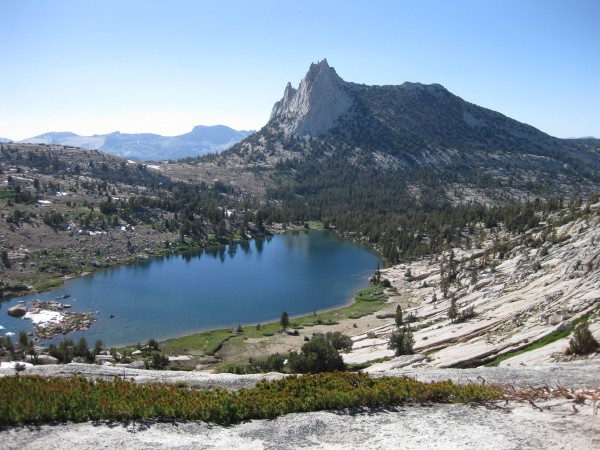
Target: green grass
313, 225
48, 285
207, 342
372, 293
34, 399
7, 194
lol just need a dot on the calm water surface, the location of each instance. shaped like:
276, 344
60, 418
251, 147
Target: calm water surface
238, 284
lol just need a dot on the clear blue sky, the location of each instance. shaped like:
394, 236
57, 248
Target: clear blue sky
165, 66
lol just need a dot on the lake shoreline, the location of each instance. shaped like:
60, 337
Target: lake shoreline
323, 246
231, 347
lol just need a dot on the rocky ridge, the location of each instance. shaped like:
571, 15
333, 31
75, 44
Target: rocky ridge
149, 146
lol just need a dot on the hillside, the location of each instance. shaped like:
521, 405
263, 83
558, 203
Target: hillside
437, 144
148, 146
67, 211
525, 293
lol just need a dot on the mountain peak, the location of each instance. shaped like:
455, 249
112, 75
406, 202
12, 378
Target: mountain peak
321, 66
313, 108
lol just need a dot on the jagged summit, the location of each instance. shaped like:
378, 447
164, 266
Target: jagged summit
413, 129
315, 106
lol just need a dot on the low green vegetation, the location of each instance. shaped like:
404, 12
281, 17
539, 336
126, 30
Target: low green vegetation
48, 285
362, 366
207, 343
372, 293
79, 399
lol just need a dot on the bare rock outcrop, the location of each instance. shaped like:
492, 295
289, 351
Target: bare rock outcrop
315, 106
517, 299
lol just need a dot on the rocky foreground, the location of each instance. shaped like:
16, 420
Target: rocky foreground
554, 423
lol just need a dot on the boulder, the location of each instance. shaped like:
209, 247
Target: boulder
555, 319
17, 311
104, 358
44, 360
137, 365
47, 360
183, 358
564, 325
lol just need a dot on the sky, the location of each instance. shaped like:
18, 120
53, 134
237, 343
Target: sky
99, 66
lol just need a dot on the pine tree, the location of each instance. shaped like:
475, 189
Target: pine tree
98, 347
398, 316
285, 320
453, 310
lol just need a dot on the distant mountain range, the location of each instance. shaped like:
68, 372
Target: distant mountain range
150, 147
419, 133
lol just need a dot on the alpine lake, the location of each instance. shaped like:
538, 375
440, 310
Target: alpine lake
247, 283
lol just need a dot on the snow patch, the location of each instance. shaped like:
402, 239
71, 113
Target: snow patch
11, 364
43, 317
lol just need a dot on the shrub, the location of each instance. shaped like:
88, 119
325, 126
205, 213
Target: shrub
159, 361
317, 355
583, 342
411, 318
339, 341
466, 314
79, 400
402, 342
152, 344
273, 363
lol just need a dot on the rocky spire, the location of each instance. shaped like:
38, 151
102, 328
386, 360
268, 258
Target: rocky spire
316, 105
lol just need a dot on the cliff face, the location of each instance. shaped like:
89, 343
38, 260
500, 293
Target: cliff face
315, 106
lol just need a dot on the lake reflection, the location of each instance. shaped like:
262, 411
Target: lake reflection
243, 283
